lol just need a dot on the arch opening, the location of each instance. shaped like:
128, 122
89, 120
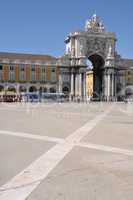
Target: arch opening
45, 90
11, 89
1, 88
97, 68
32, 89
22, 89
66, 90
52, 90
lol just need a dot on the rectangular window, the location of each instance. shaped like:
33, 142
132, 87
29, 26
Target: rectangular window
11, 73
22, 72
33, 68
33, 73
11, 68
1, 73
42, 73
1, 67
22, 67
22, 76
43, 69
53, 75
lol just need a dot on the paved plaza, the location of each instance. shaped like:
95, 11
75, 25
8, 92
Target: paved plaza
66, 151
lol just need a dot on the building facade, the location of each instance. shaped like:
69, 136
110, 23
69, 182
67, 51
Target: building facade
28, 73
70, 73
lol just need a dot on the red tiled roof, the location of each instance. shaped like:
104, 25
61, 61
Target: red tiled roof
23, 57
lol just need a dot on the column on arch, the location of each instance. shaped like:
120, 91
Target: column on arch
104, 84
60, 82
108, 86
80, 85
115, 84
112, 85
72, 83
76, 84
84, 85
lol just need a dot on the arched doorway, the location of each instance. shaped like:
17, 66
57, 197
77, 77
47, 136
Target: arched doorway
1, 88
52, 90
66, 90
22, 89
45, 90
32, 89
97, 68
11, 89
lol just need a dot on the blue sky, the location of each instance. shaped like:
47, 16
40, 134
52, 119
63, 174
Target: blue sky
40, 26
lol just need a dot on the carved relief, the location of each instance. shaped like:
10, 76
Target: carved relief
96, 45
73, 51
82, 47
110, 50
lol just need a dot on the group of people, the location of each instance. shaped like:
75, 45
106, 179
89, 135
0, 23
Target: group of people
10, 98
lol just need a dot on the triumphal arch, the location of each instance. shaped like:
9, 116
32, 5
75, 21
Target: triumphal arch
97, 45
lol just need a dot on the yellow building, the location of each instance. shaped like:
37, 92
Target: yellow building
89, 83
28, 73
129, 76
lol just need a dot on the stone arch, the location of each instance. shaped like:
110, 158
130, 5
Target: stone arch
52, 90
45, 90
97, 60
1, 88
32, 88
96, 42
22, 88
97, 54
11, 88
66, 89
